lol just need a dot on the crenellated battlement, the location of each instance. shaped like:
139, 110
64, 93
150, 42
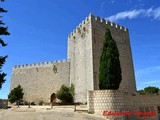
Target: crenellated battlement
83, 23
99, 20
41, 64
107, 22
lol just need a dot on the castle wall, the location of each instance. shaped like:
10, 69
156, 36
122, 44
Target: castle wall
121, 37
85, 45
3, 104
81, 64
116, 100
40, 80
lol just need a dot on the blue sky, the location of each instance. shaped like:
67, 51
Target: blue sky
39, 31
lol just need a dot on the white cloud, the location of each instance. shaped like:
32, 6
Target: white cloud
112, 1
151, 82
149, 70
148, 77
154, 13
157, 14
102, 4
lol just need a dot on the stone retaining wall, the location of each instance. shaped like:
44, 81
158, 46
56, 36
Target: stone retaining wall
3, 104
115, 100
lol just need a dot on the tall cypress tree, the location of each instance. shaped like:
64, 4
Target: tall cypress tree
3, 31
110, 70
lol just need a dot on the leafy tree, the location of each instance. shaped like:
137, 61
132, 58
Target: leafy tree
110, 70
3, 31
71, 90
16, 95
151, 90
65, 94
141, 91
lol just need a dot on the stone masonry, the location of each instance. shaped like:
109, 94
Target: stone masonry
3, 104
39, 81
85, 44
119, 101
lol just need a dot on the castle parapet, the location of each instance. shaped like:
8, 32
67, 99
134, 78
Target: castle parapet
79, 27
98, 20
41, 64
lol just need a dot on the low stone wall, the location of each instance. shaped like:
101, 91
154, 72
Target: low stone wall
3, 104
101, 100
118, 101
142, 103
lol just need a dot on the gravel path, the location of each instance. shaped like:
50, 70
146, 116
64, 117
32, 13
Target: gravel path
46, 115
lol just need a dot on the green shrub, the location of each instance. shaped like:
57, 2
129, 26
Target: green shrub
65, 94
141, 92
151, 90
16, 95
71, 90
32, 103
79, 103
90, 112
41, 103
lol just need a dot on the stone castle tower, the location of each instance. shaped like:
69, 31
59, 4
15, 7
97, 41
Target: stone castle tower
85, 43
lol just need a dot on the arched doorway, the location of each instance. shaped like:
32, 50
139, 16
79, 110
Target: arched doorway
53, 98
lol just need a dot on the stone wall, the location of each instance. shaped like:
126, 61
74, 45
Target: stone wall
101, 100
121, 37
84, 50
3, 103
80, 55
116, 100
40, 80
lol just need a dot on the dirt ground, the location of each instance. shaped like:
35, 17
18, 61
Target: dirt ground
46, 113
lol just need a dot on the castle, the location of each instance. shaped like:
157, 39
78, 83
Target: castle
81, 68
40, 81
